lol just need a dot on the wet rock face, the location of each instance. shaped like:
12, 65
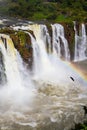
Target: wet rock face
22, 43
86, 28
2, 70
70, 36
62, 49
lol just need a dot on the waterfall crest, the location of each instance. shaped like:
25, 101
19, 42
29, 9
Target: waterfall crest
56, 44
59, 46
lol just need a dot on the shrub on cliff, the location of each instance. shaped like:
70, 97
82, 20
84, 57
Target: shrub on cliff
49, 9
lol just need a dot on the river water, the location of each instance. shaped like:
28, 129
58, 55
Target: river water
52, 98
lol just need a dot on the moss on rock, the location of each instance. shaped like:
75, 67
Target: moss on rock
22, 43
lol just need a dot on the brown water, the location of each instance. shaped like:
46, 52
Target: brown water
53, 108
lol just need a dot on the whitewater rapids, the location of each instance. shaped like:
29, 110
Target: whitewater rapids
47, 98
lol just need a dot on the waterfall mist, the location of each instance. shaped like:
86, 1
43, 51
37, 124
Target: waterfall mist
52, 95
15, 90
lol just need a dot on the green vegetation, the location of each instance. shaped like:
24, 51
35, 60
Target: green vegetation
62, 11
81, 126
22, 43
84, 127
50, 10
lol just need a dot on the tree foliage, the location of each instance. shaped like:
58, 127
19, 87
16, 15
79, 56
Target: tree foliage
49, 9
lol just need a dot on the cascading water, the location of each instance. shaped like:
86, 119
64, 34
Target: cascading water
46, 38
80, 44
48, 98
60, 44
57, 44
40, 52
15, 74
52, 72
11, 68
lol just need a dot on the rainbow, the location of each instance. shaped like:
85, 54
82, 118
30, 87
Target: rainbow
81, 71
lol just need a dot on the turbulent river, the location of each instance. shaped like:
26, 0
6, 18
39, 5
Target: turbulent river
52, 96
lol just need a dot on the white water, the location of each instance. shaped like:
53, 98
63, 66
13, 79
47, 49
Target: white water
15, 88
80, 44
58, 40
46, 97
59, 45
9, 55
48, 67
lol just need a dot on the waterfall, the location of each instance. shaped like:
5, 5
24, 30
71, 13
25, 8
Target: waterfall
18, 86
57, 44
10, 61
47, 67
80, 44
53, 96
39, 47
48, 52
60, 44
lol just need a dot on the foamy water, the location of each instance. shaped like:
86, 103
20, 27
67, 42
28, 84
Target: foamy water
46, 99
51, 105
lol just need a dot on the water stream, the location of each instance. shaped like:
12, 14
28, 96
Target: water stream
52, 97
